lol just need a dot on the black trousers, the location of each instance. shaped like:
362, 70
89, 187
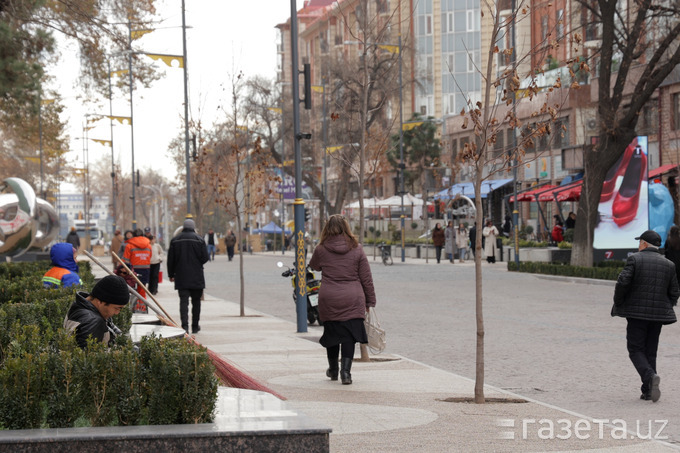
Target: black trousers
153, 277
195, 295
642, 339
230, 252
438, 252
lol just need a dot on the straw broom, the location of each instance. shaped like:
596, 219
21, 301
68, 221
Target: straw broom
227, 372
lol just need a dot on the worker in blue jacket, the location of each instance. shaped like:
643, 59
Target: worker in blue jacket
64, 272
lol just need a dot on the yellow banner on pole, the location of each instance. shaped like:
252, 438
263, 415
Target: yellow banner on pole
167, 59
409, 126
332, 149
317, 88
136, 34
119, 72
389, 47
275, 109
121, 119
102, 142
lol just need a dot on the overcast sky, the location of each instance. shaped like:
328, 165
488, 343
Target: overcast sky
225, 36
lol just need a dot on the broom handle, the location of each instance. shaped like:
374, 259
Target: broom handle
135, 293
143, 286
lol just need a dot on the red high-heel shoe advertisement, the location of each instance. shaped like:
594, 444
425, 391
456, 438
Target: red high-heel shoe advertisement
623, 208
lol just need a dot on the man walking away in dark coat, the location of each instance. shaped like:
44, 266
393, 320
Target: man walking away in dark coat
186, 256
645, 294
73, 238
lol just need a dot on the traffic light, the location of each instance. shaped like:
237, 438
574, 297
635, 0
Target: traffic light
307, 215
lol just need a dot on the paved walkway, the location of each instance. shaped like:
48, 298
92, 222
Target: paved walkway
396, 404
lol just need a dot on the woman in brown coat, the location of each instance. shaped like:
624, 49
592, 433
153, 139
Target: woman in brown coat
438, 239
346, 293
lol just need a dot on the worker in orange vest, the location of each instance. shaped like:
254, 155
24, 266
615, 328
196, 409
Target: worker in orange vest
138, 254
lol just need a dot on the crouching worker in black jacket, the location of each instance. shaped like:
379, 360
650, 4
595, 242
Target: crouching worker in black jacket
645, 294
90, 314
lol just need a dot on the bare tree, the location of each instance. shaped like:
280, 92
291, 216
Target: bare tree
493, 115
638, 49
236, 170
361, 94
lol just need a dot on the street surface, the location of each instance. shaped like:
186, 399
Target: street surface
553, 341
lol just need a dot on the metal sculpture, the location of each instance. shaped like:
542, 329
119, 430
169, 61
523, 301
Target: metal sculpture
26, 221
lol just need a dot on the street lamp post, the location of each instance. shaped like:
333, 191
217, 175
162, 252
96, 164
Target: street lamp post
113, 164
186, 113
132, 130
401, 156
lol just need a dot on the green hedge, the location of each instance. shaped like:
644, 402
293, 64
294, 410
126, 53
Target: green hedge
603, 271
47, 381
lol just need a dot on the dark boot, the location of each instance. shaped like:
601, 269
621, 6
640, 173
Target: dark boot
332, 371
345, 367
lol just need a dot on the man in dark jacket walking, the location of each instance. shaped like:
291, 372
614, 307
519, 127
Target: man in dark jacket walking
645, 294
186, 256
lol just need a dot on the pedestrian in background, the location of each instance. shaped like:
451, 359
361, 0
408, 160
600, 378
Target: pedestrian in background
210, 243
186, 256
345, 294
73, 238
116, 243
570, 221
672, 249
138, 254
473, 238
155, 267
438, 239
449, 240
230, 242
557, 233
126, 237
490, 232
645, 294
507, 226
462, 241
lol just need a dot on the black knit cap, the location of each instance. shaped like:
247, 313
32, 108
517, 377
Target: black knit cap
111, 289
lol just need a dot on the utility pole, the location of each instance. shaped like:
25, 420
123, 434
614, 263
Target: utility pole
299, 204
186, 113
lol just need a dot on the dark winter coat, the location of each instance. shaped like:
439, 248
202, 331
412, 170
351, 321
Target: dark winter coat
673, 255
73, 239
85, 319
647, 288
230, 240
186, 256
438, 237
346, 282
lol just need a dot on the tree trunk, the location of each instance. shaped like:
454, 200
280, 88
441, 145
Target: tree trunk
479, 312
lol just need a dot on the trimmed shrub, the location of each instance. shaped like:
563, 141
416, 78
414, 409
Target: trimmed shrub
46, 380
601, 272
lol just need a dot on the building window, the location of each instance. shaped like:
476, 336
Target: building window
454, 150
428, 24
560, 23
544, 28
676, 112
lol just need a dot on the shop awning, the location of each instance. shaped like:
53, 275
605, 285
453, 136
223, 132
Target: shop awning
467, 189
662, 170
532, 194
564, 192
